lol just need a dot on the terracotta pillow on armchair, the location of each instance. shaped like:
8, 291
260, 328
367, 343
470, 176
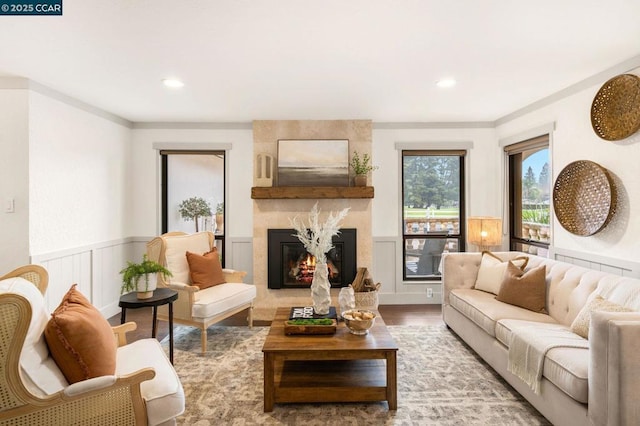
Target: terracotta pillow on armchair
205, 270
80, 339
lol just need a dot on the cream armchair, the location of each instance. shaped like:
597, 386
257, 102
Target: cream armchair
145, 390
196, 307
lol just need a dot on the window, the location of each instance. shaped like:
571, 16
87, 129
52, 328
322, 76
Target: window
432, 210
188, 174
529, 194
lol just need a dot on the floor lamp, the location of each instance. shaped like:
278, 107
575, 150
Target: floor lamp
484, 232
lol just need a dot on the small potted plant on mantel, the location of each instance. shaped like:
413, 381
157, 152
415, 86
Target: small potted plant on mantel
142, 277
361, 167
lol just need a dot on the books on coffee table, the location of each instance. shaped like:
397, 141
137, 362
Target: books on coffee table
306, 312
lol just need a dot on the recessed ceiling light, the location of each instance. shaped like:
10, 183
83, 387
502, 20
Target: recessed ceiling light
446, 82
172, 82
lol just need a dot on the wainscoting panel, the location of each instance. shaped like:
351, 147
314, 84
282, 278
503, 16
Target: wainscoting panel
387, 269
95, 268
599, 263
64, 271
240, 256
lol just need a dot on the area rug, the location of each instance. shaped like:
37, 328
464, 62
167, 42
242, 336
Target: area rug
440, 382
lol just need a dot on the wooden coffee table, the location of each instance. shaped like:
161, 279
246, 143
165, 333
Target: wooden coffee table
341, 367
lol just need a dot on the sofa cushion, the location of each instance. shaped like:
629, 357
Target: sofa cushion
567, 368
220, 298
205, 270
176, 247
484, 310
492, 269
580, 325
41, 375
80, 339
163, 394
525, 289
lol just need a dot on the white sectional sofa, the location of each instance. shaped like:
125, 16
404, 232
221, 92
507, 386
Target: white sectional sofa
599, 384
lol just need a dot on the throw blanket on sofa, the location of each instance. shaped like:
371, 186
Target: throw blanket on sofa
530, 344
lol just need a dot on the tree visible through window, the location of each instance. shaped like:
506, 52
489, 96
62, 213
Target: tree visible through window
529, 195
433, 210
193, 193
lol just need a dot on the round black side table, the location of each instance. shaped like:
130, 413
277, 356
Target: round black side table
161, 296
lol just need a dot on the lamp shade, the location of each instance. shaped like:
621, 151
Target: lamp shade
484, 232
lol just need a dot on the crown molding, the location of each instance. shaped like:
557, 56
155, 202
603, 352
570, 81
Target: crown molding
601, 77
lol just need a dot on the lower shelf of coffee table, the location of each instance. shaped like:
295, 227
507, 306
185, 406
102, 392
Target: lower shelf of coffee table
362, 380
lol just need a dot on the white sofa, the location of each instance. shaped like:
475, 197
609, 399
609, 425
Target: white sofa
598, 385
145, 388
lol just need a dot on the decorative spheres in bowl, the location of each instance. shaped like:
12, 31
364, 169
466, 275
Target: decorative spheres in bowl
359, 321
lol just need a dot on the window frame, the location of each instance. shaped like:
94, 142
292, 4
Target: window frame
164, 190
514, 183
460, 236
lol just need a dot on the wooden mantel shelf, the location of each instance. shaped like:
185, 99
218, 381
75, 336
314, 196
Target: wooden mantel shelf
262, 193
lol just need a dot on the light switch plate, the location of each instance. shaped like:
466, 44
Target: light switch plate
9, 205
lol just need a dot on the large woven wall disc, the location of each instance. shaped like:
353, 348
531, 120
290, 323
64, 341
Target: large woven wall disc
584, 198
615, 111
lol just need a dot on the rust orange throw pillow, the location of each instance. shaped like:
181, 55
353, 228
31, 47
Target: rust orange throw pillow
80, 339
205, 270
525, 289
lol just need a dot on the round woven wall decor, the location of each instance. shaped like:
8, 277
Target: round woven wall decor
584, 198
615, 111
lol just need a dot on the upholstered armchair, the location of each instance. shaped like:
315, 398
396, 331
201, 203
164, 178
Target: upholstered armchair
145, 389
196, 306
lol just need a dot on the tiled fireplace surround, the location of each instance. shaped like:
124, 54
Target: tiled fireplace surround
275, 213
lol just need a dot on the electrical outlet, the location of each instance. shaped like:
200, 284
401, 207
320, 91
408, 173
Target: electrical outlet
429, 292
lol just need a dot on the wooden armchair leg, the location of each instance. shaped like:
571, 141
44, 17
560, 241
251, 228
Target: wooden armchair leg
203, 339
250, 317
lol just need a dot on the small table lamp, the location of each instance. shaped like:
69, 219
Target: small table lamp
484, 232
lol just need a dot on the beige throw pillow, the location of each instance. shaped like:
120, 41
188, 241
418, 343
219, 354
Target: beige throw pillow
525, 289
492, 270
580, 325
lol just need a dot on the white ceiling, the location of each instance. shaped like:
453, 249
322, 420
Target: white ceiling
325, 59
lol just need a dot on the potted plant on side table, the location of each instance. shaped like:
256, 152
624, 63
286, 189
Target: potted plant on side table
361, 167
142, 277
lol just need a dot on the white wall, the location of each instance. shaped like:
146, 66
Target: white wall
78, 176
146, 169
483, 184
14, 178
573, 140
484, 198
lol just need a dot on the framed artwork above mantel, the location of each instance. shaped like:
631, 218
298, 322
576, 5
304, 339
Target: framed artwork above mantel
313, 162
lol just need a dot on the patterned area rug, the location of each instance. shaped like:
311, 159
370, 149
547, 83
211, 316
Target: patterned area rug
440, 382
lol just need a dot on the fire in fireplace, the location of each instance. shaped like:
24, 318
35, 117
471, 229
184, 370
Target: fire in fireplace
291, 266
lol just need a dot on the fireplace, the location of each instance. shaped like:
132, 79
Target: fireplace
291, 266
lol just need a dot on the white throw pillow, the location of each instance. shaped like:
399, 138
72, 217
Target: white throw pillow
492, 270
176, 254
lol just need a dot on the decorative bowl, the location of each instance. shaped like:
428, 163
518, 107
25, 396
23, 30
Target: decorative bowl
359, 321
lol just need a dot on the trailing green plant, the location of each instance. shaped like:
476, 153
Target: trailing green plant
361, 166
220, 208
134, 271
194, 208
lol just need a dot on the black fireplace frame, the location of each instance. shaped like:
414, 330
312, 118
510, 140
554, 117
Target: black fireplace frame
277, 237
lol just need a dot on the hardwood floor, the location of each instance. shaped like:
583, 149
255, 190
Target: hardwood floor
392, 314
